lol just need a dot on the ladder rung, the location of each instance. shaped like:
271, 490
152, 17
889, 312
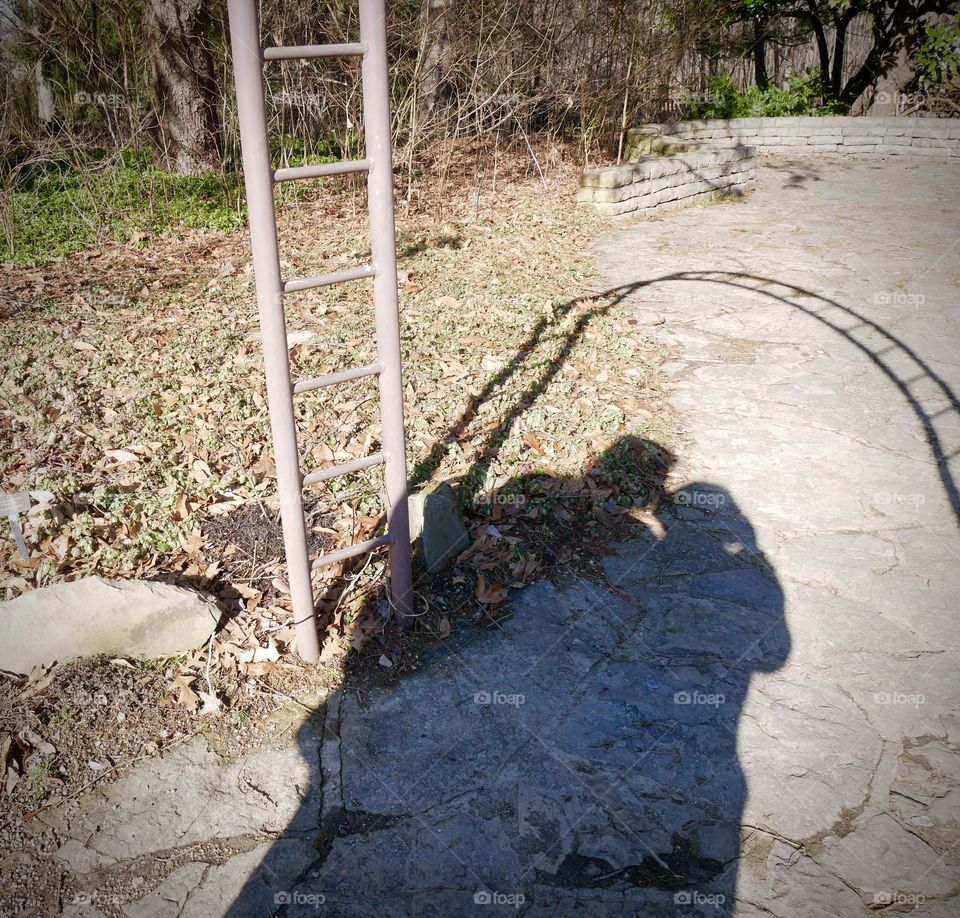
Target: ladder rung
322, 280
319, 170
345, 469
298, 52
331, 379
350, 552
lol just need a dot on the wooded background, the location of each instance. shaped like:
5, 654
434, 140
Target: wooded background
115, 73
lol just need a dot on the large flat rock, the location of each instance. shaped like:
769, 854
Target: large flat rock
94, 616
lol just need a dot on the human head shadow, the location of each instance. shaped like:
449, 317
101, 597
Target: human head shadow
580, 754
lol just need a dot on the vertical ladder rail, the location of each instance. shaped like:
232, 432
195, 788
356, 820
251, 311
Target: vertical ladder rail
383, 243
255, 146
259, 178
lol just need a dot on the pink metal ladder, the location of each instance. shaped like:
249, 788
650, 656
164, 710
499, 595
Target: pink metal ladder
248, 61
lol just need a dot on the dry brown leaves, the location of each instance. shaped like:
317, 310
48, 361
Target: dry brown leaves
132, 405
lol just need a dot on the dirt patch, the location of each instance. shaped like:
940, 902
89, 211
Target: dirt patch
249, 542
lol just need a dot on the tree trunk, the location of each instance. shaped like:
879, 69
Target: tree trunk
823, 52
760, 52
45, 106
840, 53
896, 30
436, 18
187, 121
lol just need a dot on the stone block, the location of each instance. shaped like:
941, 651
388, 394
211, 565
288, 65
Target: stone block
940, 152
644, 131
932, 127
866, 121
607, 177
939, 142
607, 210
436, 529
605, 194
667, 146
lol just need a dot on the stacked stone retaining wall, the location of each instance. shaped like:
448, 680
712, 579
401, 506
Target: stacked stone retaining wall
928, 137
690, 162
662, 183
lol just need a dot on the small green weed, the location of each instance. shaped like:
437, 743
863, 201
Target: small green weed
799, 95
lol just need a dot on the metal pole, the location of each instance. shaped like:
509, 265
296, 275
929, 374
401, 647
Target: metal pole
251, 108
376, 121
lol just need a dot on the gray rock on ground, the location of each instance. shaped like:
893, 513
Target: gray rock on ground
84, 618
436, 528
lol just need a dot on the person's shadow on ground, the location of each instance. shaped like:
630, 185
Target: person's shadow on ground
580, 758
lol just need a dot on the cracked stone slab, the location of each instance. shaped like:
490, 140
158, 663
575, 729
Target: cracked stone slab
265, 875
885, 859
81, 859
188, 796
169, 898
807, 748
779, 880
